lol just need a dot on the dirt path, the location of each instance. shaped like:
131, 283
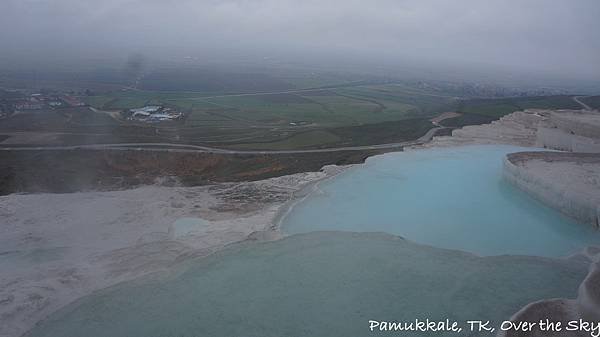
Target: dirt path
585, 106
446, 115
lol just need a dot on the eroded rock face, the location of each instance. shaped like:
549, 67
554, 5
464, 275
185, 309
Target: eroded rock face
574, 131
588, 299
585, 307
556, 310
518, 128
569, 182
563, 140
565, 130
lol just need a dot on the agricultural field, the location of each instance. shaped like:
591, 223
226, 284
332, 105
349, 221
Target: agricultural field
478, 111
300, 140
278, 111
332, 107
592, 101
355, 114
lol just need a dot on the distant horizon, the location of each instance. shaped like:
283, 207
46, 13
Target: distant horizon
495, 39
406, 70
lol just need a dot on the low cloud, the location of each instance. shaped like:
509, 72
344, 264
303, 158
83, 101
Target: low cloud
558, 36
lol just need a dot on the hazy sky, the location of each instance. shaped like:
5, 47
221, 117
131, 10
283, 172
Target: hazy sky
551, 35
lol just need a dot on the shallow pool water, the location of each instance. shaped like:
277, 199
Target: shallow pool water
185, 226
332, 283
317, 284
446, 197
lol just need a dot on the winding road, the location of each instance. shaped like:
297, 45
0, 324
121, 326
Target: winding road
169, 147
172, 147
585, 106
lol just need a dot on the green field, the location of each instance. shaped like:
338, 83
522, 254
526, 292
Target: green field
301, 140
592, 101
344, 106
478, 111
297, 119
259, 106
331, 116
502, 106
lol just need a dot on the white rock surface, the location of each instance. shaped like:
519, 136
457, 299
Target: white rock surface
585, 307
55, 248
568, 130
567, 182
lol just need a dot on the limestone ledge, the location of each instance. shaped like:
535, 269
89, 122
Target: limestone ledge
568, 182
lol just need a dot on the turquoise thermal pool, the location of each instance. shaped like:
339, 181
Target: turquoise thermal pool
451, 198
332, 280
317, 284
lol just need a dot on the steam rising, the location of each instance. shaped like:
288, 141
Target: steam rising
134, 67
